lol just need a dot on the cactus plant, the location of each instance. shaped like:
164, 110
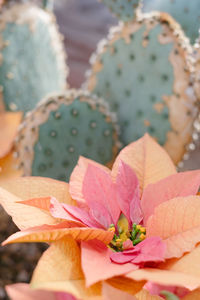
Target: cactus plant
61, 128
32, 60
123, 9
183, 11
143, 71
196, 56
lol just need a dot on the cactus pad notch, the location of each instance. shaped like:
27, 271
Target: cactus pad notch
32, 59
186, 13
62, 128
144, 70
124, 9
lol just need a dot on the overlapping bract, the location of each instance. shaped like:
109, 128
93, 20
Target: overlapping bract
78, 260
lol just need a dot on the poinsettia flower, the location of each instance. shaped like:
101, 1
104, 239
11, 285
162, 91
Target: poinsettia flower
9, 122
135, 223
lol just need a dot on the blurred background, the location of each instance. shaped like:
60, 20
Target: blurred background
83, 23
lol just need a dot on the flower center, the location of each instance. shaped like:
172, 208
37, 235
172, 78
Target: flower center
135, 235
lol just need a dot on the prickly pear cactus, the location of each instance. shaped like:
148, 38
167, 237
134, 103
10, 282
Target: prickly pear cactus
185, 12
196, 56
32, 60
123, 9
143, 71
60, 129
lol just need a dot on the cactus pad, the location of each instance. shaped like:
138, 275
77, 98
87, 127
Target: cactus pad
186, 13
143, 71
123, 9
32, 60
196, 56
62, 128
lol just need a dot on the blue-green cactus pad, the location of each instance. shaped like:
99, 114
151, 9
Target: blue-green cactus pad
71, 130
185, 12
133, 80
135, 73
123, 9
30, 68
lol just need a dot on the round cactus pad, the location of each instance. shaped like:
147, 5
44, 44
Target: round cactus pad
186, 13
123, 9
62, 128
143, 72
32, 60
